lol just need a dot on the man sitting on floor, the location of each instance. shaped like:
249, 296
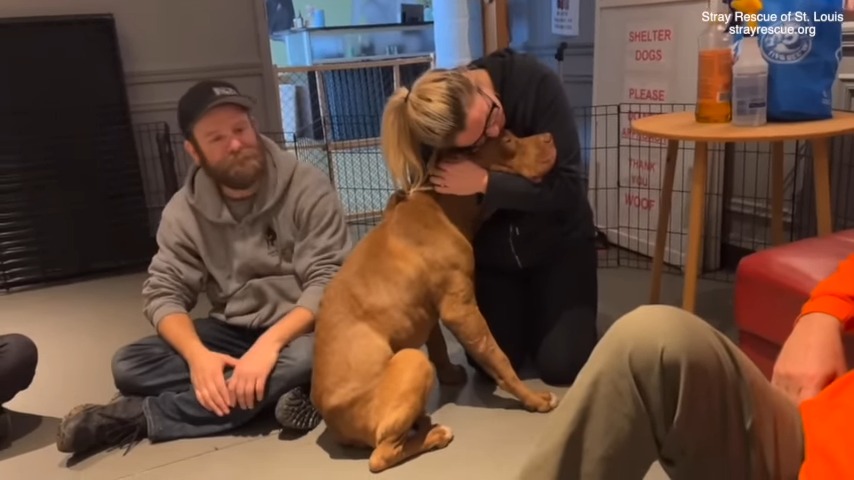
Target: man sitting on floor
18, 359
663, 384
263, 233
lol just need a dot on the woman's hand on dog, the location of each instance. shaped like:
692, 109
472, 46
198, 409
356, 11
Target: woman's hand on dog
459, 176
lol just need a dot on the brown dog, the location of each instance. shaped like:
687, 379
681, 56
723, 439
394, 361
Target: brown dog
371, 381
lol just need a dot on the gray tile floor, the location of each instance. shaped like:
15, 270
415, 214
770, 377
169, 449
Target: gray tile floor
80, 327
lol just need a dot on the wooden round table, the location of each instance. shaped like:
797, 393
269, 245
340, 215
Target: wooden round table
681, 126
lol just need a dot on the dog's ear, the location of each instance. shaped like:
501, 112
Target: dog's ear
507, 146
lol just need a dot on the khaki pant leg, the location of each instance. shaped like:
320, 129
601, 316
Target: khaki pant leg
664, 385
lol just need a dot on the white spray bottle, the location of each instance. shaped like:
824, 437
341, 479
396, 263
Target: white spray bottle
749, 74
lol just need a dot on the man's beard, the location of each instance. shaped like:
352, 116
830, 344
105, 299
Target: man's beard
240, 171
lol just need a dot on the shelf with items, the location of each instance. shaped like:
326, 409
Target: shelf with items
317, 46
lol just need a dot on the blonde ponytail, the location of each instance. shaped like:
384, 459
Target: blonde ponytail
399, 146
433, 113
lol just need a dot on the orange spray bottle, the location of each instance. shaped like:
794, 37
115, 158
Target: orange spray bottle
714, 68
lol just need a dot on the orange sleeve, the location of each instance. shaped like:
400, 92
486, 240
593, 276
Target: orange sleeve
835, 294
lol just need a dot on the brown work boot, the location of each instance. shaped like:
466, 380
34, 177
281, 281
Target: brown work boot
93, 427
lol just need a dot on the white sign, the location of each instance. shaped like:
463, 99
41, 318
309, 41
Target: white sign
641, 168
565, 17
629, 113
650, 47
639, 208
638, 220
646, 89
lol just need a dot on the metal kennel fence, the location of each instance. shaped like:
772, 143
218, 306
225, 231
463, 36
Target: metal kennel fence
625, 173
331, 115
621, 171
623, 176
339, 135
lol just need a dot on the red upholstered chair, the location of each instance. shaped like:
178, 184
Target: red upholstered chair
771, 285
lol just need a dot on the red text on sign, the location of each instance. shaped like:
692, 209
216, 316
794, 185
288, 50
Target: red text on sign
653, 55
637, 115
643, 203
646, 165
655, 35
648, 94
639, 180
629, 134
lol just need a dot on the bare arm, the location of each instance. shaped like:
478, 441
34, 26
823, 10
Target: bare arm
813, 355
298, 321
178, 330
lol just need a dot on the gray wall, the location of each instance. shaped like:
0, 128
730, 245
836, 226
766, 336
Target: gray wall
167, 45
530, 31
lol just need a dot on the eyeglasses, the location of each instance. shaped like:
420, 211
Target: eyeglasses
491, 118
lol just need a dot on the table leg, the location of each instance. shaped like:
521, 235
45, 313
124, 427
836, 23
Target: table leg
664, 207
777, 235
695, 225
821, 174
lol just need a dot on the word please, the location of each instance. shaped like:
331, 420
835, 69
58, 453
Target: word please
653, 94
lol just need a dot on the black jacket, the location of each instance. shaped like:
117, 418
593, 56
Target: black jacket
531, 221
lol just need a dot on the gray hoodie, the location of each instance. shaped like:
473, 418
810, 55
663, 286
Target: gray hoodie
282, 253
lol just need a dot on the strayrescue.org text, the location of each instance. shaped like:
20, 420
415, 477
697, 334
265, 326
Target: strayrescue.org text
790, 23
790, 29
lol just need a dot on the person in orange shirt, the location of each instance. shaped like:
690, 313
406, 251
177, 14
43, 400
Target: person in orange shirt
663, 384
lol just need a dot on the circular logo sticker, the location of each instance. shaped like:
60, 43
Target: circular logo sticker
784, 44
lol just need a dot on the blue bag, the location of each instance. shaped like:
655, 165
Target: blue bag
803, 48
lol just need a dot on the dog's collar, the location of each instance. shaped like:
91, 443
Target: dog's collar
428, 187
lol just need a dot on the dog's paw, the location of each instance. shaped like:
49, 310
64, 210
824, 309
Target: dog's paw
439, 437
542, 402
451, 374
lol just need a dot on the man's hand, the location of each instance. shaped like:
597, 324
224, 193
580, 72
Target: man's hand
249, 379
207, 372
811, 358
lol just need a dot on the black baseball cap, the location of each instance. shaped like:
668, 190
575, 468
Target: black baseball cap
205, 95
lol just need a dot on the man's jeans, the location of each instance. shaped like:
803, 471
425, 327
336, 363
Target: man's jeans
153, 369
